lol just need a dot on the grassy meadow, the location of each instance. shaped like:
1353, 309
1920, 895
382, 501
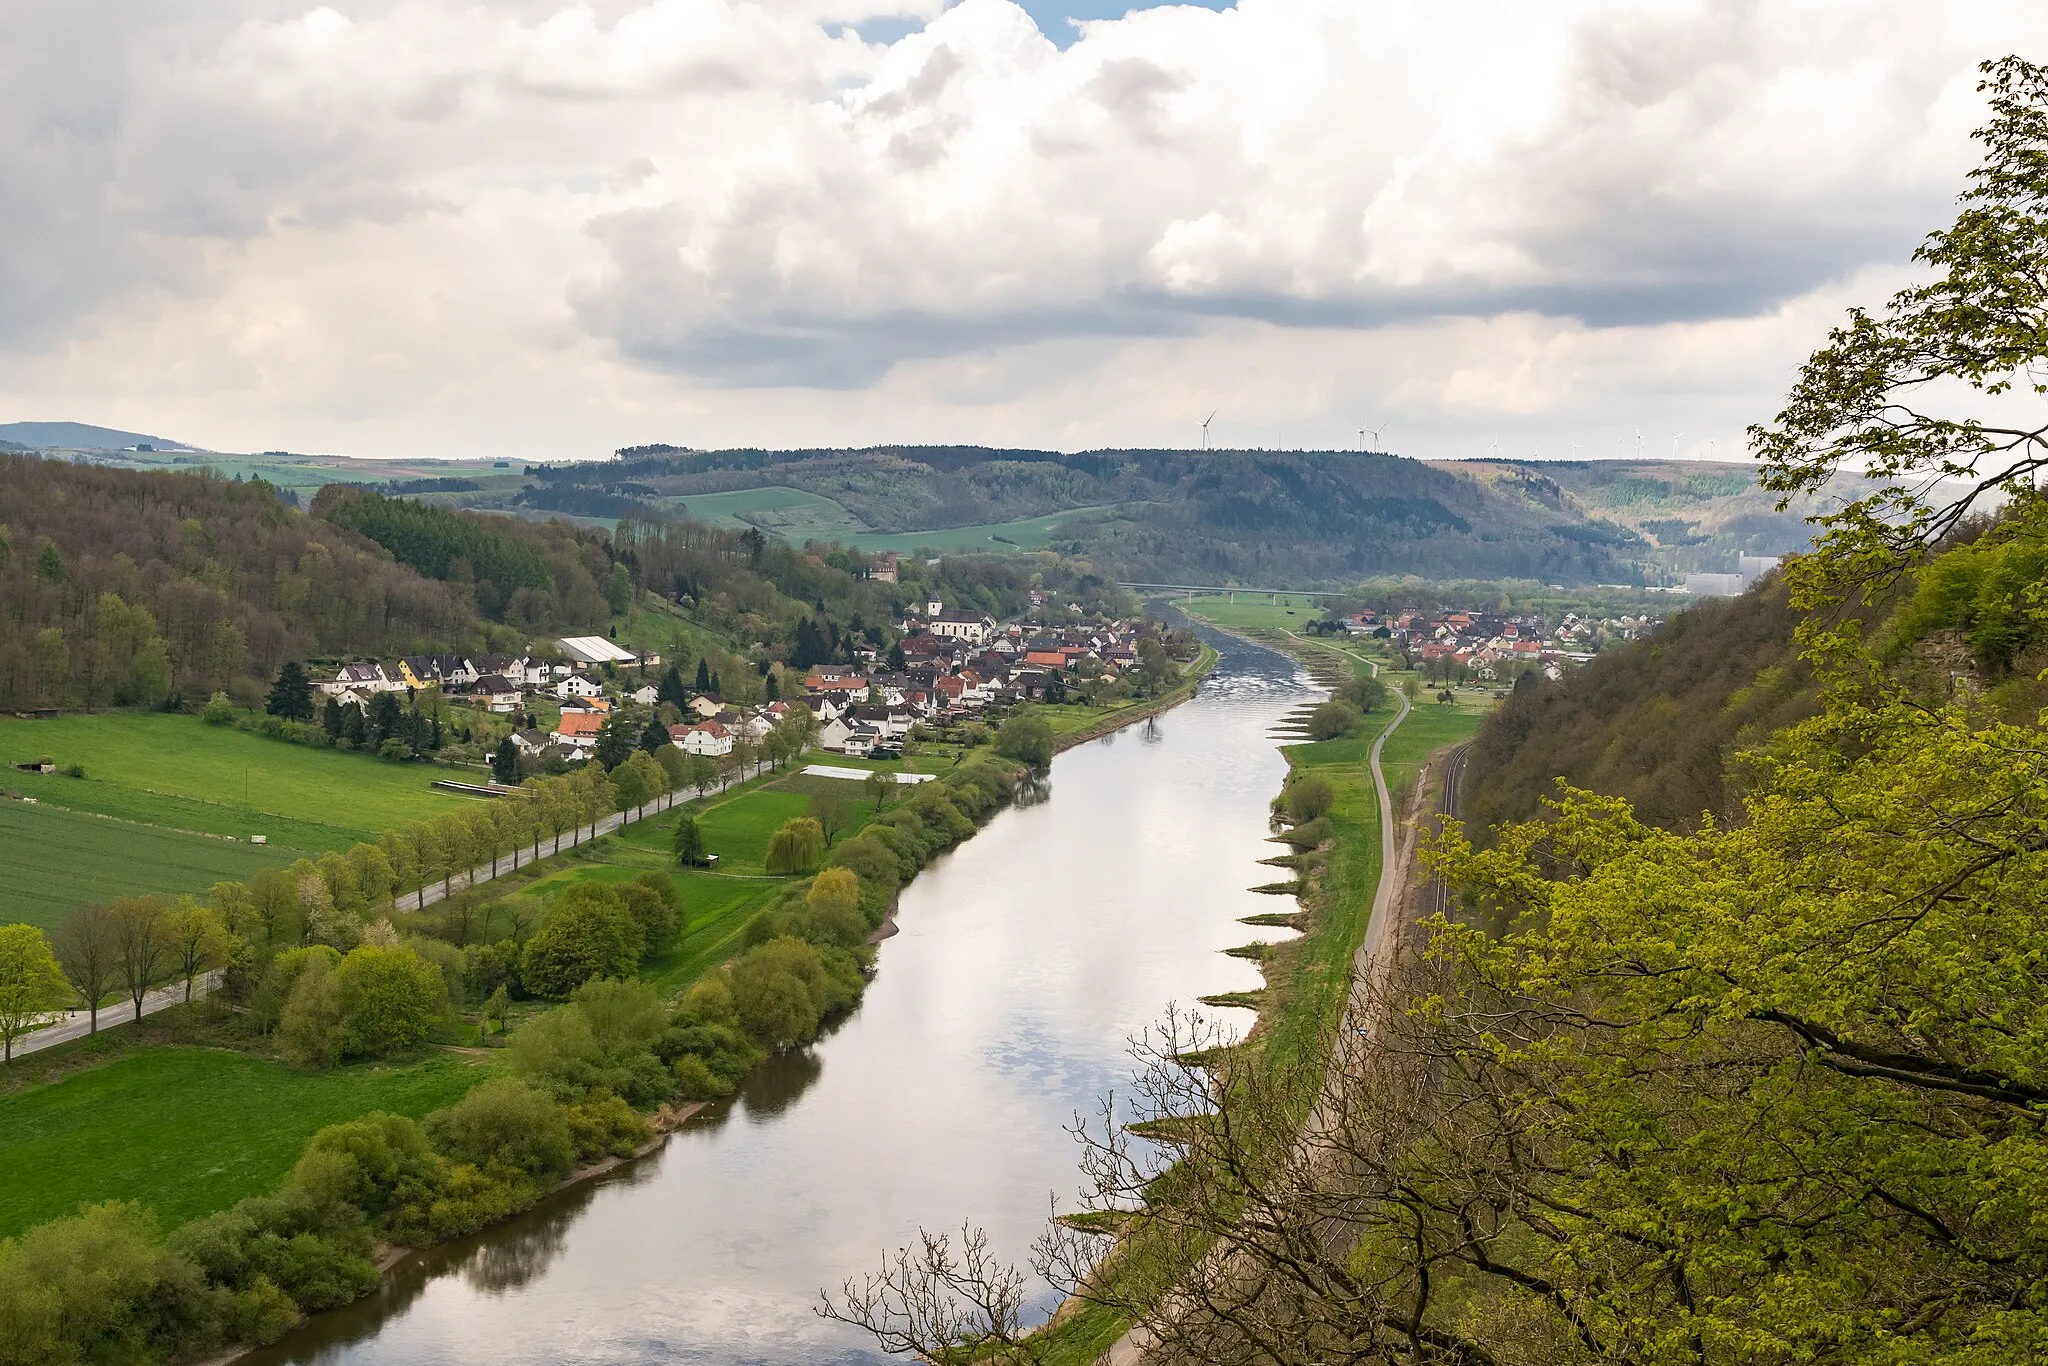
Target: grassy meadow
296, 794
188, 1131
58, 859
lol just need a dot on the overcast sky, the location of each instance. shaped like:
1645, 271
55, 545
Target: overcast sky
444, 227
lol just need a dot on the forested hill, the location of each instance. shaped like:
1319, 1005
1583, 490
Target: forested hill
1295, 517
123, 587
1655, 721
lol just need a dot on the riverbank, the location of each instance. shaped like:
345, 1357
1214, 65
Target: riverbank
1118, 718
1309, 980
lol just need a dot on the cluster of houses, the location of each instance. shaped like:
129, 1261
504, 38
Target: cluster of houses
1494, 646
956, 664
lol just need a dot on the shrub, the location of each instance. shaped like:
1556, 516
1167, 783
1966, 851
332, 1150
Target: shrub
378, 1164
488, 967
1332, 719
1308, 797
588, 934
605, 1126
1309, 834
77, 1289
218, 711
696, 1081
507, 1126
650, 900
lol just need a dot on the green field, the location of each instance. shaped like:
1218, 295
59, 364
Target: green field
59, 859
793, 514
1290, 612
738, 830
296, 794
188, 1131
1033, 533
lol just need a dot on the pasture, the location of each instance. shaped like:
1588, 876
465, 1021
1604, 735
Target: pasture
59, 859
353, 795
793, 514
188, 1131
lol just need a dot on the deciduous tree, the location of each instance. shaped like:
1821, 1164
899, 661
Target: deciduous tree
32, 985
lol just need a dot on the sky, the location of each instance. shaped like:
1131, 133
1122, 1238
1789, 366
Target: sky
544, 230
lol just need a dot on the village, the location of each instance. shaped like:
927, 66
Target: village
1488, 647
950, 667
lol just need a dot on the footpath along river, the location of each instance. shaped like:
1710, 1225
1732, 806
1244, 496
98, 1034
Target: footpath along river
1027, 959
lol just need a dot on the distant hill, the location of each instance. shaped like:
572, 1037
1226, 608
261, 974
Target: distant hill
79, 436
1294, 518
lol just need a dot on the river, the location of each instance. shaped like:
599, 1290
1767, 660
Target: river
1028, 958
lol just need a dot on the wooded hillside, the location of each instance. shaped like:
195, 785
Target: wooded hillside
124, 587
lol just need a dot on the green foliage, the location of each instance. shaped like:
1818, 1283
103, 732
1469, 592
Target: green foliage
291, 696
589, 934
1773, 1020
389, 999
783, 989
1988, 589
432, 539
1333, 719
506, 1126
796, 847
688, 842
1026, 737
32, 986
1307, 796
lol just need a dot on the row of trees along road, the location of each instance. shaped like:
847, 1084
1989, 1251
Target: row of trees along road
1770, 1090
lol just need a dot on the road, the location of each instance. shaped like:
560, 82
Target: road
76, 1024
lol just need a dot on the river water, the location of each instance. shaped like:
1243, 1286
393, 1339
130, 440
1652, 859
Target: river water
1027, 960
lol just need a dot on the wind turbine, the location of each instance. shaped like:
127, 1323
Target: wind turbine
1205, 428
1674, 444
1376, 435
1639, 443
1575, 450
1495, 448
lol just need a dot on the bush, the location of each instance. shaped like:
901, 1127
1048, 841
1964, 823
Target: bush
589, 934
1308, 797
316, 1252
696, 1081
487, 967
1310, 834
605, 1126
1332, 719
218, 711
651, 901
783, 989
378, 1164
506, 1126
1363, 691
79, 1289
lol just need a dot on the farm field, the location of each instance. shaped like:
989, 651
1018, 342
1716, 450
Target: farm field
1034, 533
796, 515
1290, 613
58, 859
738, 829
188, 1131
352, 795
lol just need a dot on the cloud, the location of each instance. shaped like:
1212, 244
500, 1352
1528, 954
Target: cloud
679, 204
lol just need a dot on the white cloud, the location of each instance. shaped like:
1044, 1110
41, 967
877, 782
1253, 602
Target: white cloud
432, 226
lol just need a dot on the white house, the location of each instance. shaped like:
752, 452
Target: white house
576, 685
646, 696
832, 735
708, 738
362, 680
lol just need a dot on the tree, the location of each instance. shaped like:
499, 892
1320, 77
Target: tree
32, 985
1332, 719
389, 998
291, 697
796, 847
833, 908
701, 773
142, 942
587, 935
878, 785
498, 1007
218, 711
505, 763
200, 941
688, 842
1027, 738
614, 742
833, 813
330, 719
1308, 797
654, 738
704, 675
670, 689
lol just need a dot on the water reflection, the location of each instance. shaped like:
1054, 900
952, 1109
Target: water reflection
1026, 960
